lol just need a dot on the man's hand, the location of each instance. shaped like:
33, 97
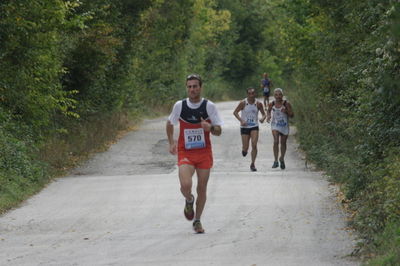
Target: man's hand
173, 148
215, 130
243, 123
205, 125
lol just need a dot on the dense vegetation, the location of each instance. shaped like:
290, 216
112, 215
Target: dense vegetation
344, 57
74, 73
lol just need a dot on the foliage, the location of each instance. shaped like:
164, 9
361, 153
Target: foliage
342, 59
388, 247
31, 62
20, 173
71, 69
73, 72
252, 47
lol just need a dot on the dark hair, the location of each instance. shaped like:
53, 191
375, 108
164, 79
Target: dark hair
194, 77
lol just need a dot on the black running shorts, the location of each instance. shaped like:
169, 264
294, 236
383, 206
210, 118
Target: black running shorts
246, 131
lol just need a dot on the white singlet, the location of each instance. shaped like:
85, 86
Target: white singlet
250, 114
279, 120
211, 110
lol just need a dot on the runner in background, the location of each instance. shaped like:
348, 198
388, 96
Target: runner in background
249, 108
278, 114
266, 86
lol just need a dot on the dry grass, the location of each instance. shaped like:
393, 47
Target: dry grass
69, 150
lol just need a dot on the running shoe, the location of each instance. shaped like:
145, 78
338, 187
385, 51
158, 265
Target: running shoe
283, 166
253, 168
244, 153
189, 211
197, 227
275, 165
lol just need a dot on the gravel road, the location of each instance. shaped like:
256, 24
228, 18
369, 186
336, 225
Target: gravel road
124, 207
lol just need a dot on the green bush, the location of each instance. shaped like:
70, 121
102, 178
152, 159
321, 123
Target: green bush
21, 174
380, 203
343, 64
73, 71
386, 248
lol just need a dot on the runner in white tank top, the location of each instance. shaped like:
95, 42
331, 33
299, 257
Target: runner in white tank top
279, 112
249, 114
248, 119
279, 119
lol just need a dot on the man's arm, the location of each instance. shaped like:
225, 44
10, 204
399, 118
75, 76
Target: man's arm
173, 119
289, 110
269, 113
214, 129
236, 113
170, 134
261, 109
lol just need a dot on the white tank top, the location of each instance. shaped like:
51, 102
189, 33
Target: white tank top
279, 120
250, 114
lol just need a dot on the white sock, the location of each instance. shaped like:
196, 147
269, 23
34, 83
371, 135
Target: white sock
190, 201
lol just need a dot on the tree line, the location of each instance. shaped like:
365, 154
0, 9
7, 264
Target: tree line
343, 59
75, 72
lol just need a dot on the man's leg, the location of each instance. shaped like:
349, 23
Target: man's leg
254, 140
245, 144
283, 147
275, 134
186, 172
202, 181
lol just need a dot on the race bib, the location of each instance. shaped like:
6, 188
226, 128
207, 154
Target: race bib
194, 138
281, 123
251, 121
266, 89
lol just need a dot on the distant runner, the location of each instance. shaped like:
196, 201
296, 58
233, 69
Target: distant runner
266, 86
249, 108
197, 118
279, 112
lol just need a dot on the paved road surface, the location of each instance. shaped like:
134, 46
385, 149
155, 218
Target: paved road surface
124, 208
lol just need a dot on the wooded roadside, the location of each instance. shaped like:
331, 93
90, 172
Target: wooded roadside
75, 73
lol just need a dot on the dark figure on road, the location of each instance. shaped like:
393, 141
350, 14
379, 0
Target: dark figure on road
266, 86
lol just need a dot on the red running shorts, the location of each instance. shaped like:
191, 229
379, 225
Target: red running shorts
200, 160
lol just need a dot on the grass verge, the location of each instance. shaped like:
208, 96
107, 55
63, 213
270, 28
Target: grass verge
26, 169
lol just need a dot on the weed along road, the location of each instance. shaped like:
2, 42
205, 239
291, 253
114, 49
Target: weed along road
124, 207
